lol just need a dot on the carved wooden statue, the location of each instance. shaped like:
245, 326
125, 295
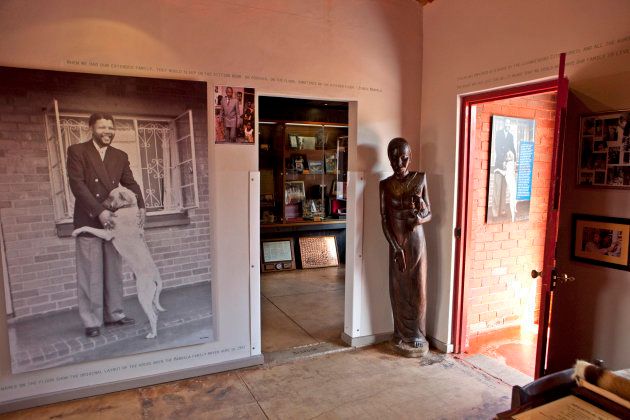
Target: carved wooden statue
404, 208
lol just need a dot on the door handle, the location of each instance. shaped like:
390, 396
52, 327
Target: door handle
556, 278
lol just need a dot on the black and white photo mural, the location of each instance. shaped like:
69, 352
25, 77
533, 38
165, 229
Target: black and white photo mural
104, 211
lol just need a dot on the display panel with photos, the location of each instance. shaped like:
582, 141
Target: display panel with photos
601, 240
604, 150
49, 325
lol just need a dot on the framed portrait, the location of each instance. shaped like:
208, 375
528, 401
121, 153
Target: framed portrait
601, 240
511, 169
298, 163
604, 150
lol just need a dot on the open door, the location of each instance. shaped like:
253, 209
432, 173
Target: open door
549, 275
470, 154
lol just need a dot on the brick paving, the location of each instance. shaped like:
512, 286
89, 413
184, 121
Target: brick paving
59, 339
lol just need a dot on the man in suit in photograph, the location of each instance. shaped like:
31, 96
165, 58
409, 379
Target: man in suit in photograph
94, 169
230, 115
503, 143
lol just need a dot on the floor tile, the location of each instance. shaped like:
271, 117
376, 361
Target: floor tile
375, 383
279, 332
118, 405
219, 396
320, 314
302, 281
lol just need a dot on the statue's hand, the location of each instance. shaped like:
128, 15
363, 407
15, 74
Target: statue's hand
399, 257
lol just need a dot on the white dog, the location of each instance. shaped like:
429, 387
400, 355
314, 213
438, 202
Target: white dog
128, 240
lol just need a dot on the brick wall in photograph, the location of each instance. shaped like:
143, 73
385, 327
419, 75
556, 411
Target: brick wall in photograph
41, 265
501, 256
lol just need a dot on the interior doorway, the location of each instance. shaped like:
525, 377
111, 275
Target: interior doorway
303, 164
507, 144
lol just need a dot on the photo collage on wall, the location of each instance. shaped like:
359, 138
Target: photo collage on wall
604, 158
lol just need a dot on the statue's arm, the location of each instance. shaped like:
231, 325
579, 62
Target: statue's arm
425, 216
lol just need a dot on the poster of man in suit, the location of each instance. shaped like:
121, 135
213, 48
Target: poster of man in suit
105, 224
234, 114
511, 169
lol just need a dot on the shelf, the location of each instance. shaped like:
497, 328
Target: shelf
294, 148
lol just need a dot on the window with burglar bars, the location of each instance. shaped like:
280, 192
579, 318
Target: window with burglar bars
161, 156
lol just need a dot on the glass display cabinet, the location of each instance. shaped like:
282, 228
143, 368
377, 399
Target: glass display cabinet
305, 173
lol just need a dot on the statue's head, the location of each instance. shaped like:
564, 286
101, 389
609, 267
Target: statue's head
399, 153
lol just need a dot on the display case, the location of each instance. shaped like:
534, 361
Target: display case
303, 171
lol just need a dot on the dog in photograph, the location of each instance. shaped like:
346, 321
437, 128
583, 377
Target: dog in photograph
128, 239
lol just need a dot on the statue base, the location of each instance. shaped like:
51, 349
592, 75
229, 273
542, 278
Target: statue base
408, 349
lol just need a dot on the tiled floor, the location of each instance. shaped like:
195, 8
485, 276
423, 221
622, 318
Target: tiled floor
371, 383
514, 347
303, 311
302, 307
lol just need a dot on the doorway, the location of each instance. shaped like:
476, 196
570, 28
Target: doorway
303, 164
506, 155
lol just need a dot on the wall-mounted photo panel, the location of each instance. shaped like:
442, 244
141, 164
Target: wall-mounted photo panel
604, 152
234, 114
106, 233
511, 168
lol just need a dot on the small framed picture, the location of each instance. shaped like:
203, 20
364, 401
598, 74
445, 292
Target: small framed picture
307, 142
299, 163
331, 163
316, 166
604, 150
294, 192
293, 141
601, 240
277, 254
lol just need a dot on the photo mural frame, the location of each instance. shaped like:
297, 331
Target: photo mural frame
604, 150
39, 277
601, 240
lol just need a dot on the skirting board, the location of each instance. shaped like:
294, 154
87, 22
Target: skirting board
440, 345
90, 391
368, 340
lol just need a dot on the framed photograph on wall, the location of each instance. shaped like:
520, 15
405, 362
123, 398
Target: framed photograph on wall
511, 168
604, 150
601, 240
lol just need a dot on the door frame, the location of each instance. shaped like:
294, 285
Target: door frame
354, 272
464, 199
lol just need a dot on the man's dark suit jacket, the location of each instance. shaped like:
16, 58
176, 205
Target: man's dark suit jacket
91, 180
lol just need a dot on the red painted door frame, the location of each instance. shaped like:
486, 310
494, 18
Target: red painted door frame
464, 199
